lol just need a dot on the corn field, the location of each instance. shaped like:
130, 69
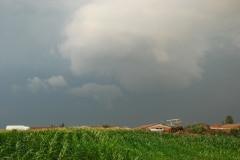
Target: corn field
114, 144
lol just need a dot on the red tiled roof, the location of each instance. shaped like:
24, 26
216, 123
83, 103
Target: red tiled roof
225, 126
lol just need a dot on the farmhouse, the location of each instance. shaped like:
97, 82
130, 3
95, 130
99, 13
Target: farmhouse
225, 126
158, 127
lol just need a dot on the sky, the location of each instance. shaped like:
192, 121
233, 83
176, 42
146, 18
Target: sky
119, 62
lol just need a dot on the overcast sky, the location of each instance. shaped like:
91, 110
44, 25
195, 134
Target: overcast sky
121, 62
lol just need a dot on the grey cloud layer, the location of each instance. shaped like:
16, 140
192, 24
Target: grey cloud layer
146, 44
105, 94
134, 61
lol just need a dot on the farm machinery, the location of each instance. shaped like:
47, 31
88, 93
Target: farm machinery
175, 127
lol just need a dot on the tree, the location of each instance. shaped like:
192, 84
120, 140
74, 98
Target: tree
229, 119
61, 125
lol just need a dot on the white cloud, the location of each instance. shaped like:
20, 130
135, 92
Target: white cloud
146, 44
35, 84
56, 81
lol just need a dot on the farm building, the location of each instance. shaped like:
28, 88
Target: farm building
17, 127
158, 127
225, 126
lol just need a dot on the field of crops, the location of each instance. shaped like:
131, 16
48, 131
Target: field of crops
115, 144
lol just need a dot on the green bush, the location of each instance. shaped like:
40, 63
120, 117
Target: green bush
221, 133
234, 132
197, 128
106, 126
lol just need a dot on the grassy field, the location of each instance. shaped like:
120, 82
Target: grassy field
115, 144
